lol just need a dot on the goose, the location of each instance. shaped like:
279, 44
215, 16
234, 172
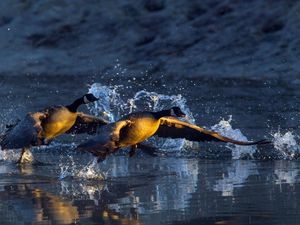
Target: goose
40, 128
136, 127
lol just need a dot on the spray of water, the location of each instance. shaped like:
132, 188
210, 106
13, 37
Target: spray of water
70, 169
92, 171
110, 105
286, 144
11, 155
224, 127
113, 106
82, 189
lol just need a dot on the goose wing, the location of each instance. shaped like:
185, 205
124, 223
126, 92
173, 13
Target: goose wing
86, 124
115, 135
171, 127
24, 133
105, 141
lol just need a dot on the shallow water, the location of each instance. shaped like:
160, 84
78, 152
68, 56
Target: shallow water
183, 183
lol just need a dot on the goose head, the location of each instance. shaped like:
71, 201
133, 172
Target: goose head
88, 98
176, 111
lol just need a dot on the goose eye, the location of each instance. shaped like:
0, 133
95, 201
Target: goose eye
85, 99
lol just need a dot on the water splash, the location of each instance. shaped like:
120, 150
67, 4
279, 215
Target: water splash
152, 101
66, 169
113, 106
83, 190
92, 171
238, 152
286, 144
110, 105
11, 155
71, 169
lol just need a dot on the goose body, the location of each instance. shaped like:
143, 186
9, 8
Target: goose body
137, 127
59, 120
142, 126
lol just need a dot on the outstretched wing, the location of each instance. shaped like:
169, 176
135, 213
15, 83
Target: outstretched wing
171, 127
86, 124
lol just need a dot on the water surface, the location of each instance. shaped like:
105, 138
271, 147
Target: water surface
184, 183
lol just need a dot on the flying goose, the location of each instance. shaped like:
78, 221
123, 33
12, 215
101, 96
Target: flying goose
136, 127
42, 127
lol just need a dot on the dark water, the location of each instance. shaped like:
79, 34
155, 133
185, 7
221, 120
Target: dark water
173, 187
155, 191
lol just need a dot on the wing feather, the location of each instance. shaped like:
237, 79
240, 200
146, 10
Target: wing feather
171, 127
106, 140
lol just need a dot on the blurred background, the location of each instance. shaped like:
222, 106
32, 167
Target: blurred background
226, 57
182, 39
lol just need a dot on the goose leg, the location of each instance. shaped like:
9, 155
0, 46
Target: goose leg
100, 155
26, 156
103, 154
132, 150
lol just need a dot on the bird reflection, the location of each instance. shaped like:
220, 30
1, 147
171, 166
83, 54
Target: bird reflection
33, 204
50, 206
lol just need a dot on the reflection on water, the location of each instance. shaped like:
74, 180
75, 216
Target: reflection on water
154, 191
286, 172
235, 176
30, 204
